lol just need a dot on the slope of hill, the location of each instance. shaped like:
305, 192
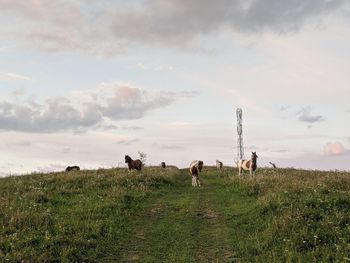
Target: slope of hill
156, 216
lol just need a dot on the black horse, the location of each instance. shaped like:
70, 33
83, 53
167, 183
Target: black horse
72, 168
133, 164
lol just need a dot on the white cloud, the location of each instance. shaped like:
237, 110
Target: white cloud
111, 101
12, 76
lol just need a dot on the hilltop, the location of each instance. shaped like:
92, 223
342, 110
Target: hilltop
112, 215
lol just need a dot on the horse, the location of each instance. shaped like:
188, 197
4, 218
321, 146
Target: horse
250, 165
133, 164
195, 169
72, 168
273, 165
163, 164
219, 164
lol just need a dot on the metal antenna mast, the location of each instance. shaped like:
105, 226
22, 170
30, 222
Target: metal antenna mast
240, 149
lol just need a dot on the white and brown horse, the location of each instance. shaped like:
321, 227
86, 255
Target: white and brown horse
248, 165
133, 164
219, 164
195, 169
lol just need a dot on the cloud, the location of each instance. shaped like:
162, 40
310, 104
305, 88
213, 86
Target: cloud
127, 142
172, 147
150, 67
109, 101
111, 27
306, 116
284, 107
12, 76
22, 143
54, 167
335, 148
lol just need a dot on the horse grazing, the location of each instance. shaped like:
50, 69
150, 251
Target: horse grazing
133, 164
163, 164
195, 169
219, 164
72, 168
273, 165
250, 165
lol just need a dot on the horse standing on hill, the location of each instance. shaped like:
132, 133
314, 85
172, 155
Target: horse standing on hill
195, 169
250, 165
219, 164
133, 164
72, 168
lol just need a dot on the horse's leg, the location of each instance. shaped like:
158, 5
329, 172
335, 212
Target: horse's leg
198, 182
193, 180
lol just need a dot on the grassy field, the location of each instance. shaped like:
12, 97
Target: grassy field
282, 215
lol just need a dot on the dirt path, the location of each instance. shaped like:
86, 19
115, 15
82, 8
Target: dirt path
182, 224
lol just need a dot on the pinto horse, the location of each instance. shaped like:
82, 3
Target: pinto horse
219, 164
250, 165
195, 169
133, 164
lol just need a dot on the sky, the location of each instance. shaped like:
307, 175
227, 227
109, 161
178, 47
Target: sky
87, 82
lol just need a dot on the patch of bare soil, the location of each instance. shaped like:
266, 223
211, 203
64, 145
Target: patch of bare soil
154, 212
207, 214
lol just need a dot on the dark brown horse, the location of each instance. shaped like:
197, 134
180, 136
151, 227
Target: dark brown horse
72, 168
133, 164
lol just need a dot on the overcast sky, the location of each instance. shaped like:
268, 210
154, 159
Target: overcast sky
86, 82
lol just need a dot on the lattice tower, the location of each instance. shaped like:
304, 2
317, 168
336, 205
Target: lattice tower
240, 148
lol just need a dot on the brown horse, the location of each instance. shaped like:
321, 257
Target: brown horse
133, 164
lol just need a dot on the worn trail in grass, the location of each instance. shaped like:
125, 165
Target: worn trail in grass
186, 224
283, 215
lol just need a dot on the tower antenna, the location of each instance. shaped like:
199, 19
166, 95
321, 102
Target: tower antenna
240, 148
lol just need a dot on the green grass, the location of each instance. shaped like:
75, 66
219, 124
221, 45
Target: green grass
282, 215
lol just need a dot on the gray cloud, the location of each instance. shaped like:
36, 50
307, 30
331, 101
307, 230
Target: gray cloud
108, 28
115, 127
111, 102
53, 115
127, 142
306, 116
284, 107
